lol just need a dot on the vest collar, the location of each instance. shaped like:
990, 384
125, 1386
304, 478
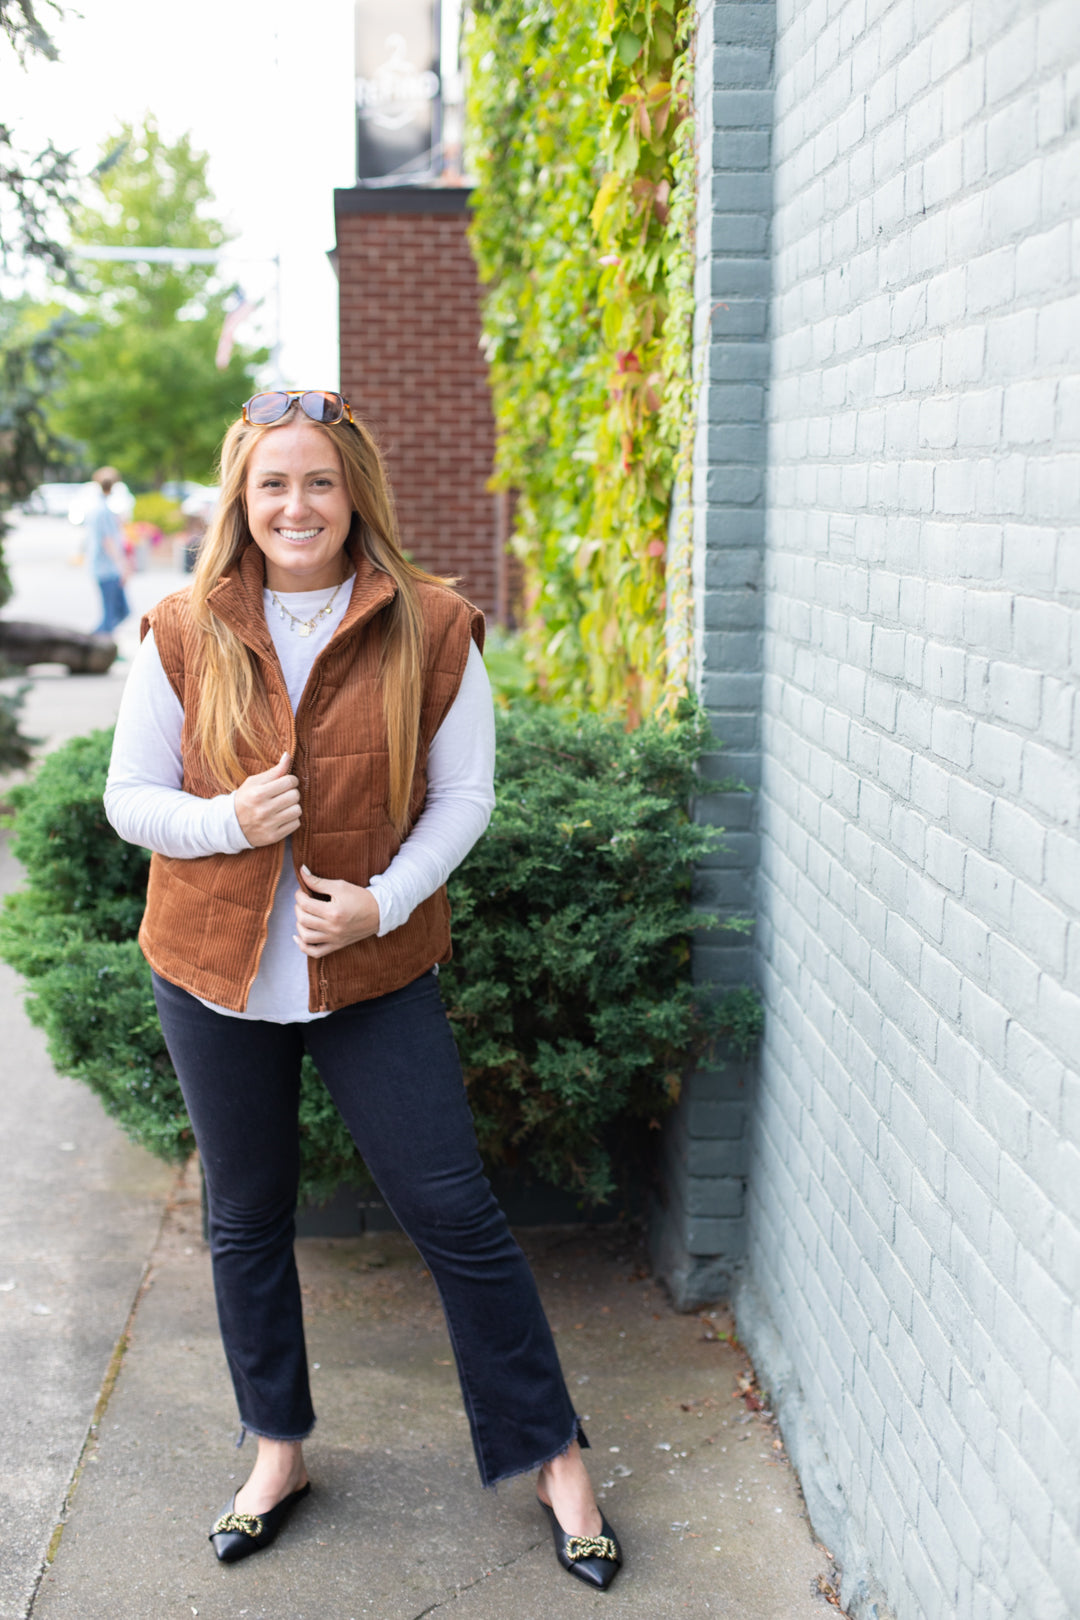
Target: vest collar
237, 598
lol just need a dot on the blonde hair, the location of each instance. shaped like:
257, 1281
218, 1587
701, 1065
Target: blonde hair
233, 705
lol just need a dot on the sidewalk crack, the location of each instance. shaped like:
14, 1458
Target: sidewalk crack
507, 1563
108, 1383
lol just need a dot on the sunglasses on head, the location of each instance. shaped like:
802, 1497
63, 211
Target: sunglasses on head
319, 404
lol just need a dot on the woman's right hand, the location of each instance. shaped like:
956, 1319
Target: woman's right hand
268, 805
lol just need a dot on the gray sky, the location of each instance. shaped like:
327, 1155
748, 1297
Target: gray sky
265, 86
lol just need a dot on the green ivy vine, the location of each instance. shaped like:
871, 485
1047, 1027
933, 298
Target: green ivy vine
583, 231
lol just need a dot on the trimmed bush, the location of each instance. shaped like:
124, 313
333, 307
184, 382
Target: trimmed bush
569, 991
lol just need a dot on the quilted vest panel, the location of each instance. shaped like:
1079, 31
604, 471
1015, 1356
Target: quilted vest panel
205, 922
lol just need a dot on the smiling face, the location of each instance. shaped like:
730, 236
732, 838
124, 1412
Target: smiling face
298, 507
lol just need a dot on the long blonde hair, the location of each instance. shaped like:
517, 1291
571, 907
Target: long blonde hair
233, 704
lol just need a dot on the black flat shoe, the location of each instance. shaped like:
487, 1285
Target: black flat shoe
236, 1535
596, 1560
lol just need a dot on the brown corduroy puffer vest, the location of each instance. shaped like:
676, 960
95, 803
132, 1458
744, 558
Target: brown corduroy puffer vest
206, 919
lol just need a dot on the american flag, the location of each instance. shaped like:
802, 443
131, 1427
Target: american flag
234, 320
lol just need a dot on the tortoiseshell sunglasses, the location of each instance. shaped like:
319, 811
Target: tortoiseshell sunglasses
319, 404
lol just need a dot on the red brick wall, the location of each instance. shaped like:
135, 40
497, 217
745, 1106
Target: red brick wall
411, 366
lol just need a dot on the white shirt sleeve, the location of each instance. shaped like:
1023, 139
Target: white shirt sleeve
144, 800
460, 799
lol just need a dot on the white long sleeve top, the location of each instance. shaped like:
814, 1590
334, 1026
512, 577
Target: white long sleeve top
146, 804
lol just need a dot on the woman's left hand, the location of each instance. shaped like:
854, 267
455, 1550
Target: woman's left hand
350, 913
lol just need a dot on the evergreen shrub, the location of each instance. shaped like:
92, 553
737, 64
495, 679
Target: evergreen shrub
569, 991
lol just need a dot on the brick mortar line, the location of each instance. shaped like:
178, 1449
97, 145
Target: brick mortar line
952, 705
1012, 306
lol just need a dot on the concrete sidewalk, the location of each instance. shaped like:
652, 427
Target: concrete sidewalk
397, 1526
80, 1212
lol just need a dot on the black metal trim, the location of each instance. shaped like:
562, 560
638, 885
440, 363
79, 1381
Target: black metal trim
402, 200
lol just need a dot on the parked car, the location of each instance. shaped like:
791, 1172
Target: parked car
185, 489
200, 500
52, 500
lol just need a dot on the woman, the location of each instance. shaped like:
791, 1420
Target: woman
306, 744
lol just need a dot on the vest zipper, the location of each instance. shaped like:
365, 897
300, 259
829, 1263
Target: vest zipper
266, 922
307, 700
277, 872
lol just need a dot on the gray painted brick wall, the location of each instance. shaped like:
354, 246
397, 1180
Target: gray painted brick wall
699, 1237
913, 1212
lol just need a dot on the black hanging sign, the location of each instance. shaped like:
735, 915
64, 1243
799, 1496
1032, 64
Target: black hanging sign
398, 107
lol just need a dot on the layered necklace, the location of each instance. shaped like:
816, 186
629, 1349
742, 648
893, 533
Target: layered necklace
304, 627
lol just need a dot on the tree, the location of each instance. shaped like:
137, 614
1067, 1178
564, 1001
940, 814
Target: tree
35, 189
145, 392
32, 187
31, 366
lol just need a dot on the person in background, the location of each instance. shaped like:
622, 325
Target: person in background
121, 501
105, 552
198, 510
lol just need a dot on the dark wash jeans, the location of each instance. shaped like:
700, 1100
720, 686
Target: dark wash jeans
392, 1068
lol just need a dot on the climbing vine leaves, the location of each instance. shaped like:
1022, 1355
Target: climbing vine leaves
583, 220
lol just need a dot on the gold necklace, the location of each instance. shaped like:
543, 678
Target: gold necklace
305, 626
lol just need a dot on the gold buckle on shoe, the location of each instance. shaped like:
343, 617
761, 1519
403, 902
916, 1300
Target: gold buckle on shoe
249, 1523
590, 1547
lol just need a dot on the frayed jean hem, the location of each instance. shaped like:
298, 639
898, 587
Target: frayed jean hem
282, 1439
560, 1451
